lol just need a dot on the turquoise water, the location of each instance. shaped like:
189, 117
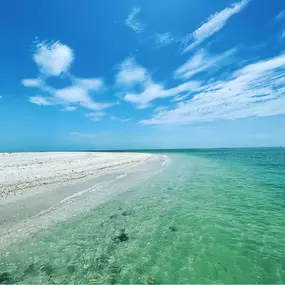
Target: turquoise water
212, 216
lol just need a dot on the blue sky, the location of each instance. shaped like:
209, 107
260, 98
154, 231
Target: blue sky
141, 74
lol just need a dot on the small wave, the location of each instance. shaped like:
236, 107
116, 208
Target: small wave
166, 159
80, 193
121, 176
67, 199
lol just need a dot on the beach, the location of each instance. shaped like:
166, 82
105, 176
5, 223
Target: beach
38, 190
20, 172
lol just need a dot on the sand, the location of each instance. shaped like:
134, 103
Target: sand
38, 190
20, 172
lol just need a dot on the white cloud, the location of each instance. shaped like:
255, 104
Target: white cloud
53, 59
155, 91
133, 22
96, 116
126, 120
90, 83
114, 118
256, 90
41, 101
214, 24
151, 92
280, 15
69, 109
32, 82
160, 109
202, 61
181, 97
76, 94
164, 39
131, 73
73, 94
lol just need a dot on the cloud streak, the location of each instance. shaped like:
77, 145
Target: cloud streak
154, 91
163, 39
41, 101
283, 35
32, 82
114, 118
133, 22
256, 90
213, 24
69, 109
96, 116
280, 16
203, 61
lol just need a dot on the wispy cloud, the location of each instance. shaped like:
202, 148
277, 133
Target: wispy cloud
283, 35
69, 109
160, 109
78, 95
114, 118
32, 82
130, 73
89, 83
41, 101
214, 24
256, 90
96, 116
154, 91
163, 39
133, 75
54, 59
73, 94
280, 16
133, 22
126, 120
181, 97
202, 61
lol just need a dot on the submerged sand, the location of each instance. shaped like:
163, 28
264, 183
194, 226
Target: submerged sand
38, 190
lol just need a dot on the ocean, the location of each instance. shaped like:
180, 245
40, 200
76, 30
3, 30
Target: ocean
211, 216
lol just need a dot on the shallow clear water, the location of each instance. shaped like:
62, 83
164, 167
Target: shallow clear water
212, 216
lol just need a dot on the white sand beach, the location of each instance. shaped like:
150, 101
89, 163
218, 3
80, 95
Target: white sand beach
21, 172
37, 190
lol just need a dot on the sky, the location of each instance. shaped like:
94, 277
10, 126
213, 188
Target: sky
88, 75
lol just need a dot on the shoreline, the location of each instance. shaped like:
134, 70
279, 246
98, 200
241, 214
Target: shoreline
30, 210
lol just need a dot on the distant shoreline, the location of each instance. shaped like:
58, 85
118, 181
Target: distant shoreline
143, 150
